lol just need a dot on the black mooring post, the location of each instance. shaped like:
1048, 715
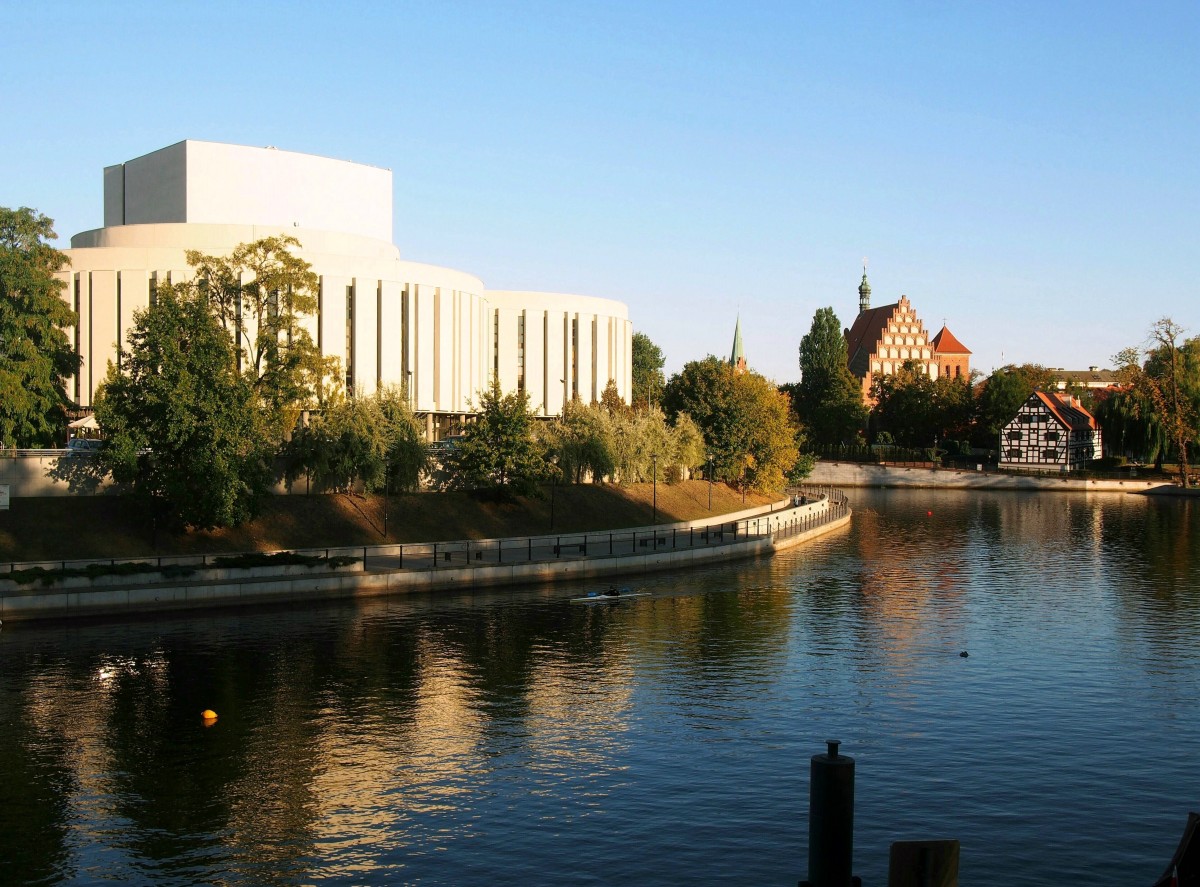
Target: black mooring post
831, 820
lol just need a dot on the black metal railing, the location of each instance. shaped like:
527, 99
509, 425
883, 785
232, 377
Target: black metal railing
782, 523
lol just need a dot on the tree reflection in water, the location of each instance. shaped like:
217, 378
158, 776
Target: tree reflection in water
445, 738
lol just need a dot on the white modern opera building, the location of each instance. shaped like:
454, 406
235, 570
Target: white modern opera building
390, 321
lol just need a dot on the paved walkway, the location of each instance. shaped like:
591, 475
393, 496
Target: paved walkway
574, 546
390, 569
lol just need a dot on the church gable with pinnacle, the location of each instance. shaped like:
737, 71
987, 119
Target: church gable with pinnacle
884, 339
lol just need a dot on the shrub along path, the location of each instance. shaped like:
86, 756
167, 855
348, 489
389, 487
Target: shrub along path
109, 526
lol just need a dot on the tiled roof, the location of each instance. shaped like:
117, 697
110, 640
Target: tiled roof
945, 343
1070, 412
867, 330
1083, 377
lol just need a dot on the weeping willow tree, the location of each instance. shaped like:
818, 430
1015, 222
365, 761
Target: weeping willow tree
373, 440
630, 446
1131, 426
1156, 411
1172, 380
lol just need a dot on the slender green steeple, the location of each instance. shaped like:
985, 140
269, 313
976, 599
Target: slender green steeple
737, 358
864, 292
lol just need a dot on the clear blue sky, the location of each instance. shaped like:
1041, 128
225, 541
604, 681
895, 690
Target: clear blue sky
1027, 172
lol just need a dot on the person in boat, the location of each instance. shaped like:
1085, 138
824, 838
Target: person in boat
612, 591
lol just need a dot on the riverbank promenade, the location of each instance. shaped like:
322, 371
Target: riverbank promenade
201, 581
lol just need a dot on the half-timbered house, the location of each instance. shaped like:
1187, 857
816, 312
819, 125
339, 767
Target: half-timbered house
1050, 432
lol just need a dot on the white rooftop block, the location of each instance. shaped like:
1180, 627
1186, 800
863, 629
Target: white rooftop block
210, 182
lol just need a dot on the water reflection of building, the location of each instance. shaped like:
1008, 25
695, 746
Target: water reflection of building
913, 594
79, 724
428, 745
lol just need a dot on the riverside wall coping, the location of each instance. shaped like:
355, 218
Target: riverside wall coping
213, 573
853, 474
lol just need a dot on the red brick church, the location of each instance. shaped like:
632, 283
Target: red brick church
883, 339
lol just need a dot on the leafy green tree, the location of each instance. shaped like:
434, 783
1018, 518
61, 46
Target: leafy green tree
583, 442
1173, 379
374, 441
916, 410
905, 405
407, 455
746, 421
828, 399
611, 400
183, 426
609, 443
1130, 425
261, 293
762, 432
804, 465
1001, 395
687, 442
840, 416
35, 354
1127, 416
343, 443
1165, 388
644, 441
954, 400
701, 390
648, 362
498, 455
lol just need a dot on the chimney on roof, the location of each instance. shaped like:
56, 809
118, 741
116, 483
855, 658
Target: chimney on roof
1093, 369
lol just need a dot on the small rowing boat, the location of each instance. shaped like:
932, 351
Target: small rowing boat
611, 594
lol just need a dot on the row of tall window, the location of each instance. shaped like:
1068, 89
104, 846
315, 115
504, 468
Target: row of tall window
353, 346
82, 296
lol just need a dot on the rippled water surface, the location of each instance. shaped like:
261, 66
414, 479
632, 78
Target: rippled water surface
516, 737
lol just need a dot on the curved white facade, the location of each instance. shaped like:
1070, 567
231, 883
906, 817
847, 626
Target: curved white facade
390, 321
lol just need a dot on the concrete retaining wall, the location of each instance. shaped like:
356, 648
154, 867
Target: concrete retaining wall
50, 473
65, 601
851, 474
53, 473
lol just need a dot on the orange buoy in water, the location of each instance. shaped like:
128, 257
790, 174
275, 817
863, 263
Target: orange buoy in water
208, 714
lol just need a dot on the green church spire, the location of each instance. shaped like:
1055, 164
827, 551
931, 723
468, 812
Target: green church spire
737, 358
864, 292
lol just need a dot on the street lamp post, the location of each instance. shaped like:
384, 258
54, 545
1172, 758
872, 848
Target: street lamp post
710, 480
553, 488
654, 463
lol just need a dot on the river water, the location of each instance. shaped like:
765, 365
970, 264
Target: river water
516, 737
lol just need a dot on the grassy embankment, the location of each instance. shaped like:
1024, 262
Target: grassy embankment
108, 526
